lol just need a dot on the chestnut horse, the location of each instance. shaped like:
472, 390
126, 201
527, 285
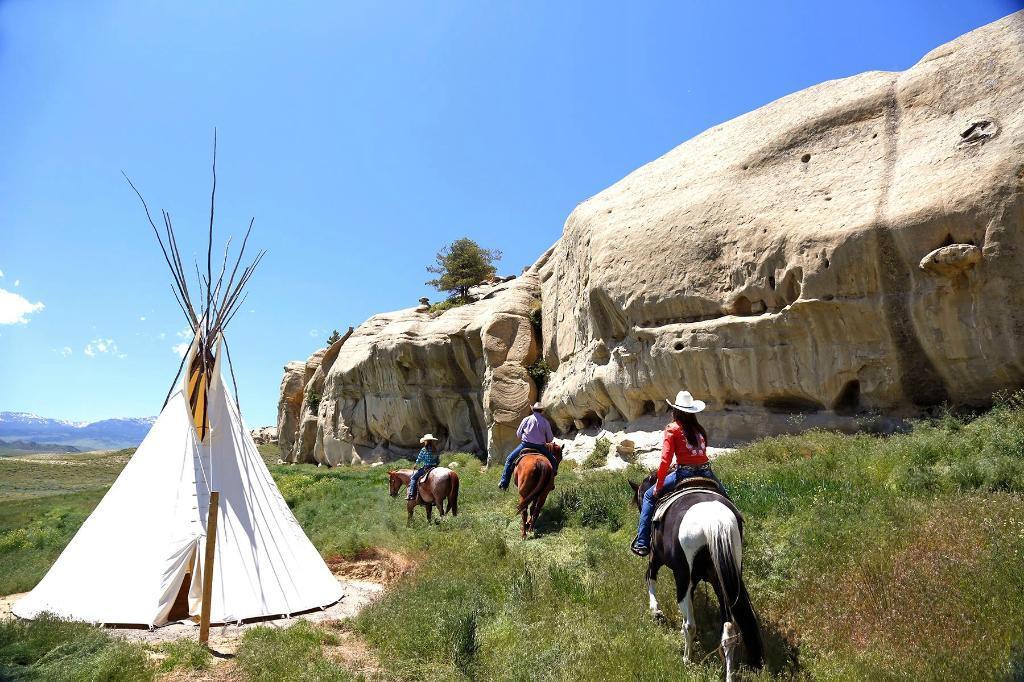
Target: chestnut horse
439, 484
535, 478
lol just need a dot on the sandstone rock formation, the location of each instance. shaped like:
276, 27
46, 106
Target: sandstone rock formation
855, 246
264, 435
852, 250
460, 374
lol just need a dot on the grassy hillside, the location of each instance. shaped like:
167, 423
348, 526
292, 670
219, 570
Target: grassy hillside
866, 557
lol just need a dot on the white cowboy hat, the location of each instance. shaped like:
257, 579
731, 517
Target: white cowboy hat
686, 403
427, 437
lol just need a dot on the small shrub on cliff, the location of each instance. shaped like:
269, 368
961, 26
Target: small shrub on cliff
598, 457
313, 400
539, 372
447, 304
333, 338
461, 265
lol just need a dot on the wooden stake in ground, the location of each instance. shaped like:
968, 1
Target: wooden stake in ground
211, 545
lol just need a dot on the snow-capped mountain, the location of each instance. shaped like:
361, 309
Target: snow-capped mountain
107, 433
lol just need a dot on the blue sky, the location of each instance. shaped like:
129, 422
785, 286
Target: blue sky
362, 137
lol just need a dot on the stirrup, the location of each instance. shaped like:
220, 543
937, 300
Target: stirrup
640, 550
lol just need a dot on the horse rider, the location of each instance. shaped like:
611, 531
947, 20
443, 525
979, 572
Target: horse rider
686, 440
427, 459
534, 433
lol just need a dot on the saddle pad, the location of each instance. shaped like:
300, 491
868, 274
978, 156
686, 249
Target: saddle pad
666, 502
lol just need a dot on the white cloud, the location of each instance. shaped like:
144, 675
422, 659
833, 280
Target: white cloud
100, 346
180, 349
142, 318
17, 282
161, 336
65, 351
14, 308
314, 333
1, 273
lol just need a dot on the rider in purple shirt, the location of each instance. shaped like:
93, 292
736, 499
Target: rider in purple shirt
534, 433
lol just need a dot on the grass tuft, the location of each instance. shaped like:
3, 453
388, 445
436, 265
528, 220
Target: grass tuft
50, 648
270, 654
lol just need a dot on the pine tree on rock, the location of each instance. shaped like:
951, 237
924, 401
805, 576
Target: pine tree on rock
461, 265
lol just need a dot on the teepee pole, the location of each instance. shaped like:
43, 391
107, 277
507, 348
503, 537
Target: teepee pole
211, 544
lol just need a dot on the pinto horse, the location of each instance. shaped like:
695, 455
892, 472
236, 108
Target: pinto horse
535, 478
438, 485
700, 539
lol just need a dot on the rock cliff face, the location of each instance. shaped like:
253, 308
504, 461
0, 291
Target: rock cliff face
855, 246
853, 250
460, 375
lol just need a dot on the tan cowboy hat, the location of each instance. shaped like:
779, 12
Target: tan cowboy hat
686, 403
537, 407
428, 437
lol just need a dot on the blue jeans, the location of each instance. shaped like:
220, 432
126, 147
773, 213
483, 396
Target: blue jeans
643, 532
414, 481
506, 475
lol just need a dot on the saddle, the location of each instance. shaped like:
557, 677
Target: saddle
690, 486
526, 452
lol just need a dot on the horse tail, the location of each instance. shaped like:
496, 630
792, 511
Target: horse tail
545, 476
453, 496
725, 545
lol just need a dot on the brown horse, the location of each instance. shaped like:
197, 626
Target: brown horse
535, 478
437, 486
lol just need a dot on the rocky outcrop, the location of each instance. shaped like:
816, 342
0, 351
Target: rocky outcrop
853, 247
460, 374
264, 435
846, 257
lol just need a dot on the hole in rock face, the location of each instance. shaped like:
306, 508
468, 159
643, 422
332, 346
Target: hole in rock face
741, 306
948, 241
771, 281
591, 420
790, 403
649, 407
679, 345
792, 285
826, 262
874, 136
805, 158
848, 400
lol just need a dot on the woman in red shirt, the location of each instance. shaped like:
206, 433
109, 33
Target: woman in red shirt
687, 441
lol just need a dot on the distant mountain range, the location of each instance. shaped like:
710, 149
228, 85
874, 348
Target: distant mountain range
27, 447
101, 435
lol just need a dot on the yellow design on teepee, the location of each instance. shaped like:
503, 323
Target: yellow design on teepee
198, 393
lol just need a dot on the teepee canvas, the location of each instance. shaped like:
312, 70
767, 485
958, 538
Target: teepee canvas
139, 557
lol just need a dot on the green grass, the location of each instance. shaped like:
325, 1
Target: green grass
866, 557
291, 654
184, 654
42, 475
598, 457
51, 649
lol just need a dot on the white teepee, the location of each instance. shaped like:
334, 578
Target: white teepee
138, 558
128, 562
